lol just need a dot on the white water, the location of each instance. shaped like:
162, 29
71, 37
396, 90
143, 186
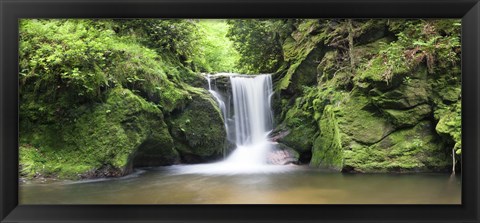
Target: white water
221, 104
253, 118
253, 121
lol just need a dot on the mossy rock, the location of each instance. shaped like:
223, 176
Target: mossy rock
415, 149
370, 31
302, 129
104, 136
301, 140
378, 75
362, 121
327, 149
408, 95
327, 67
301, 51
449, 85
409, 117
450, 126
149, 152
199, 130
364, 53
306, 72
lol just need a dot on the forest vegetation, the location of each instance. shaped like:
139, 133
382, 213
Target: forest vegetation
99, 97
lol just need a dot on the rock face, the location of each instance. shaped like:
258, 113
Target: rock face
363, 113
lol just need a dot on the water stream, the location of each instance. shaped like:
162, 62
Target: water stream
300, 185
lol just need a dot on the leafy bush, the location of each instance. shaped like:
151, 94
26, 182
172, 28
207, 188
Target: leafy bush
433, 42
216, 50
64, 56
259, 43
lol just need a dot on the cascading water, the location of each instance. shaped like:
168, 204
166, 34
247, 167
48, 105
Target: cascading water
253, 118
253, 121
221, 105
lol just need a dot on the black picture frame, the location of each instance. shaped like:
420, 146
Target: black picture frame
11, 11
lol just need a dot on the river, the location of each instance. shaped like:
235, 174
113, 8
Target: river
290, 185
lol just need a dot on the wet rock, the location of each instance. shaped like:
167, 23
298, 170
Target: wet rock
105, 171
282, 155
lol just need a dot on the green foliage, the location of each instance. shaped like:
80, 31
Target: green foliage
145, 72
64, 56
200, 45
216, 49
92, 92
176, 37
259, 43
71, 62
436, 43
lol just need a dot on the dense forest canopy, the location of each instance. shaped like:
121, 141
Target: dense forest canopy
100, 96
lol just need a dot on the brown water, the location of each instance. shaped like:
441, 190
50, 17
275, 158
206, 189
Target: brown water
295, 185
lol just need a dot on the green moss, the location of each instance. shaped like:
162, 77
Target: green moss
301, 125
299, 51
199, 130
327, 149
413, 91
106, 134
370, 31
300, 138
409, 117
410, 149
382, 98
149, 75
377, 71
328, 66
362, 121
306, 73
302, 41
283, 83
362, 54
450, 124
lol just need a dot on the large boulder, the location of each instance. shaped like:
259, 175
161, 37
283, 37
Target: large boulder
415, 149
282, 155
97, 140
358, 135
299, 130
199, 130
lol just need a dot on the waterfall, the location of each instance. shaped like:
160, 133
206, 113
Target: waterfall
249, 126
253, 118
251, 102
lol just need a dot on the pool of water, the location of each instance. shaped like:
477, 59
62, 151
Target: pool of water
287, 185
